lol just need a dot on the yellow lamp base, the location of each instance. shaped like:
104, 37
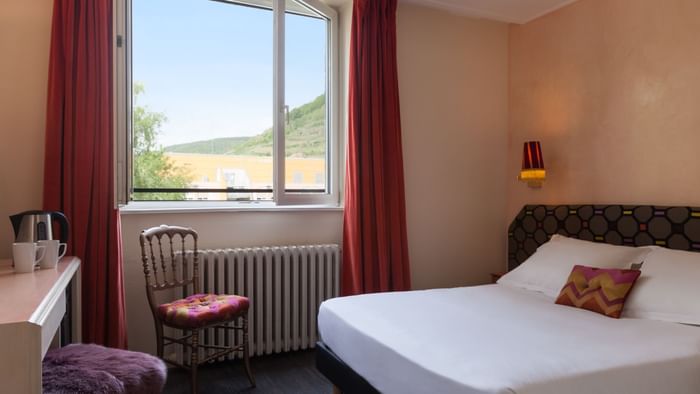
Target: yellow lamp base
534, 178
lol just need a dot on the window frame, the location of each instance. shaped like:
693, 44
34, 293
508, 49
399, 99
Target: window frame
122, 106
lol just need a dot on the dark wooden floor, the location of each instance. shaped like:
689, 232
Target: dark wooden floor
281, 373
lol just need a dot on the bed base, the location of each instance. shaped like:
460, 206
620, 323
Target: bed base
345, 380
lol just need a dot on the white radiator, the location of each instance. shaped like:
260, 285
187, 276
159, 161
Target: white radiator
285, 285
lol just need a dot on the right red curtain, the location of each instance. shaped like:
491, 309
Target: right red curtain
375, 247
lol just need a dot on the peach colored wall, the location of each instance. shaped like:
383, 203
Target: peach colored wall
25, 30
611, 88
454, 112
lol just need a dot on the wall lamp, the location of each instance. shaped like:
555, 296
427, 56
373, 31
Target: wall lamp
532, 170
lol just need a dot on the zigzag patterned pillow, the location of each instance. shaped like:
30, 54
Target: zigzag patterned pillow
601, 290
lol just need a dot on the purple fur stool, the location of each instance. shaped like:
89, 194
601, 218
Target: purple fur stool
97, 369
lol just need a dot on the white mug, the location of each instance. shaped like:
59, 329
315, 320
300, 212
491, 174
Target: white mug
52, 255
25, 256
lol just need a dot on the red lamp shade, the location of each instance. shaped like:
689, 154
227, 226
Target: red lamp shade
532, 156
532, 170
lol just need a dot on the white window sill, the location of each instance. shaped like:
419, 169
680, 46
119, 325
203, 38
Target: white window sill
151, 207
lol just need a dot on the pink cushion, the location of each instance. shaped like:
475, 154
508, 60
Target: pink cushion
201, 310
598, 290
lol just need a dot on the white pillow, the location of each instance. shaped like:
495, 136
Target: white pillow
549, 267
668, 289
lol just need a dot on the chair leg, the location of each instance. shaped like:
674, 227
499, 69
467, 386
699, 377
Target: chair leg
194, 360
159, 340
246, 351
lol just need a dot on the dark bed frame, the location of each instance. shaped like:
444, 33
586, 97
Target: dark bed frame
632, 225
340, 374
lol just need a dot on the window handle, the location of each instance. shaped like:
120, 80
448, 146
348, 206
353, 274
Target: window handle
286, 114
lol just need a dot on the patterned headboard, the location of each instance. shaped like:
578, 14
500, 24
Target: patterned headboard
636, 225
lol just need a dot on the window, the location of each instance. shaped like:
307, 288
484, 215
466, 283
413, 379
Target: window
226, 101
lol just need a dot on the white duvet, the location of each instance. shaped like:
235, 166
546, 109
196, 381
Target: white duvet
497, 339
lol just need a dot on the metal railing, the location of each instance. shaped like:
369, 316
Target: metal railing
219, 190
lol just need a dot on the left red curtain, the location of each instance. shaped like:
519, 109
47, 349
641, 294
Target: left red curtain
78, 167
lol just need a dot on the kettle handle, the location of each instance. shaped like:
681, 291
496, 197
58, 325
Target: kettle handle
16, 220
63, 222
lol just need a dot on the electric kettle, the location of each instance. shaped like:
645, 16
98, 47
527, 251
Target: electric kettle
33, 226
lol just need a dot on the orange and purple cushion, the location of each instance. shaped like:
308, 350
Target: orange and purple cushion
598, 290
201, 310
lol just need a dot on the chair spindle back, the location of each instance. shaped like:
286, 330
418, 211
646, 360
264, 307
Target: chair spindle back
161, 249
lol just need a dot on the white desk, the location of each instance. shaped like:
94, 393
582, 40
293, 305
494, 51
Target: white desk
31, 309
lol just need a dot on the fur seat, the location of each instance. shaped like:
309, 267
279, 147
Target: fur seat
97, 369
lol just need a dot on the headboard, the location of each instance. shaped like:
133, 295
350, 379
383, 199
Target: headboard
635, 225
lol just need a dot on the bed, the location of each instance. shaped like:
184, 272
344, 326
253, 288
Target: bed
507, 339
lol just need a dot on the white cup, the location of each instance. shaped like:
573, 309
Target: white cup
25, 256
52, 255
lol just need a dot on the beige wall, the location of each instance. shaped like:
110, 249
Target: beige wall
25, 30
454, 112
611, 88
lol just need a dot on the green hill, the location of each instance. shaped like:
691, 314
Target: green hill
217, 146
304, 134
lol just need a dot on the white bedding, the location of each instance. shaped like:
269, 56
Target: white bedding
497, 339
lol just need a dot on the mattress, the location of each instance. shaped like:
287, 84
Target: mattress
497, 339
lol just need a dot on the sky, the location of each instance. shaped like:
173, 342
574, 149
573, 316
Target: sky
207, 66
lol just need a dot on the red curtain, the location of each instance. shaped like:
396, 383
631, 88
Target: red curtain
375, 251
78, 168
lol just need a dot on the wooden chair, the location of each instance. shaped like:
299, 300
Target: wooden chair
166, 259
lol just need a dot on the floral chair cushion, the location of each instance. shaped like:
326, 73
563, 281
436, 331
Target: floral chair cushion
201, 310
